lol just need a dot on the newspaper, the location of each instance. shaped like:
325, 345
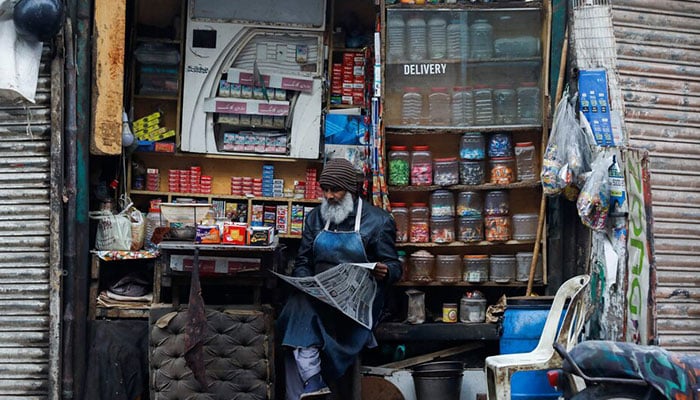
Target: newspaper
348, 287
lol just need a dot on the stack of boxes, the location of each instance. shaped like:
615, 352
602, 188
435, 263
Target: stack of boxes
348, 80
312, 189
148, 129
268, 176
153, 179
189, 181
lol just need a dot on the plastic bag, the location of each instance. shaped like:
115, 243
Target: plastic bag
567, 155
138, 229
113, 231
593, 202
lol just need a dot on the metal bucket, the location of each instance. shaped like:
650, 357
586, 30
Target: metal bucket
438, 380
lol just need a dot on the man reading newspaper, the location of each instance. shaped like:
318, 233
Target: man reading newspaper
324, 342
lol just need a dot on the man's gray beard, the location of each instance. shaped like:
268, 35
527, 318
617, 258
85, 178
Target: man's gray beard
336, 213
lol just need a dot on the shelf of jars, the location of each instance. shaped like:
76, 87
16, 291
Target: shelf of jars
466, 284
485, 186
225, 196
457, 244
498, 61
418, 130
463, 5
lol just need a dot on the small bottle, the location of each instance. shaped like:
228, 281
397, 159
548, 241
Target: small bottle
618, 193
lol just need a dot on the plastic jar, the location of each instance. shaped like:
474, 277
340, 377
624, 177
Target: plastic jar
396, 37
442, 229
471, 229
526, 161
497, 202
421, 267
475, 268
522, 272
504, 105
400, 213
472, 146
411, 106
525, 226
497, 228
469, 204
462, 106
502, 170
442, 204
472, 309
437, 37
445, 171
481, 40
457, 40
421, 166
439, 112
529, 103
502, 268
419, 223
500, 145
483, 105
448, 268
399, 170
417, 33
472, 172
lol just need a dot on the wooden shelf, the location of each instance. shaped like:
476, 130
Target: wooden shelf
189, 245
157, 40
114, 312
224, 196
456, 130
476, 62
468, 284
167, 97
232, 156
495, 6
399, 331
466, 244
485, 186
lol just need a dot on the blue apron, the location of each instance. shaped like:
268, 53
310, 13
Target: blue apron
306, 322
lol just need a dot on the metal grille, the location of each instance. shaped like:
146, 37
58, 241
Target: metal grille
25, 220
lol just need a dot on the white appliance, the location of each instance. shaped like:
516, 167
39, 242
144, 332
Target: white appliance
229, 38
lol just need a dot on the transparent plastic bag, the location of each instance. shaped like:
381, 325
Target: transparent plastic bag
113, 231
593, 202
138, 229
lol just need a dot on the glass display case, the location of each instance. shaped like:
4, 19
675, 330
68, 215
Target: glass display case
450, 67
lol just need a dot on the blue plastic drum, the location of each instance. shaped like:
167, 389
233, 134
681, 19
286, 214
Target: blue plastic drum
523, 322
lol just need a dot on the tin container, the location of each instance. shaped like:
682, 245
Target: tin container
449, 313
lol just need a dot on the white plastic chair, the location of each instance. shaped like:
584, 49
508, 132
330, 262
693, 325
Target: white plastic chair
500, 369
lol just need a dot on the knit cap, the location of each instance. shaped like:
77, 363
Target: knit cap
340, 173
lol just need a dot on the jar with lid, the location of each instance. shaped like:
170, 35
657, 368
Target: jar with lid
529, 103
472, 172
525, 226
502, 170
475, 268
526, 161
442, 204
399, 159
502, 268
462, 106
421, 267
483, 105
448, 268
442, 229
458, 39
446, 171
421, 166
481, 40
469, 204
396, 37
417, 38
439, 112
497, 202
472, 146
497, 228
471, 229
504, 105
411, 106
419, 223
472, 308
500, 145
437, 37
400, 213
522, 272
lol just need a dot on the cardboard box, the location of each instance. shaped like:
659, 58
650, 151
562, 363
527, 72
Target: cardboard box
235, 233
261, 235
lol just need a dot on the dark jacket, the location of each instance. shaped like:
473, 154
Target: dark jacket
378, 232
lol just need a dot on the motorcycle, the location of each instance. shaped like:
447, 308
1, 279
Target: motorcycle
618, 370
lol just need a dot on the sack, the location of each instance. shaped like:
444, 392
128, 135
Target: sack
113, 231
138, 229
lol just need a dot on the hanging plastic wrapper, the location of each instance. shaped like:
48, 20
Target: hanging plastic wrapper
567, 157
593, 202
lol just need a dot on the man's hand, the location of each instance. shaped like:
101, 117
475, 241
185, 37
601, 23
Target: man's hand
380, 271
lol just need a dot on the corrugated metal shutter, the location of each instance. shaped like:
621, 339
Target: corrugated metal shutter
27, 332
658, 45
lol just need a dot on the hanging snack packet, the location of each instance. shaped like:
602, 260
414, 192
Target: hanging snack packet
593, 202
